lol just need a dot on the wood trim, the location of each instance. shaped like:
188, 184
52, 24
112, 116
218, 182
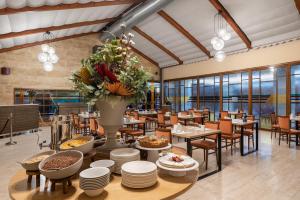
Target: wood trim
231, 22
55, 28
221, 93
150, 39
250, 92
182, 30
297, 4
44, 42
198, 94
8, 11
144, 56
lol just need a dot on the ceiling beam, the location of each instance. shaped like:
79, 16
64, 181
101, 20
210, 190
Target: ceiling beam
182, 30
231, 22
297, 3
8, 11
144, 56
150, 39
44, 42
55, 28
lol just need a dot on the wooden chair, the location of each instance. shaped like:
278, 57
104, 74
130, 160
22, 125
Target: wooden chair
93, 125
249, 130
224, 114
166, 133
161, 121
227, 132
285, 129
135, 114
174, 119
206, 114
274, 125
207, 145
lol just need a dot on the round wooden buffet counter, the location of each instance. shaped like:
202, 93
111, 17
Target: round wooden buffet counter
167, 187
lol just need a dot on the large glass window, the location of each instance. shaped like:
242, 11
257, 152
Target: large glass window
295, 89
268, 94
209, 90
172, 94
235, 92
153, 95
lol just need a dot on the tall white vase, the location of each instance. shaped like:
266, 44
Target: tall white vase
112, 111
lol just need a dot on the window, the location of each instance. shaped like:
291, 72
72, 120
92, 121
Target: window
295, 89
209, 94
153, 95
268, 94
235, 92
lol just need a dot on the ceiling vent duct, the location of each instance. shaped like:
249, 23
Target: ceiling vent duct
133, 17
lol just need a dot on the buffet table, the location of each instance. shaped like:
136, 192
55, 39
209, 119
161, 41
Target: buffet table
167, 187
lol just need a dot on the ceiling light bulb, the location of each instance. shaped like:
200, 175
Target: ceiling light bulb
222, 32
53, 58
219, 44
51, 50
227, 36
43, 57
45, 47
48, 67
214, 40
220, 56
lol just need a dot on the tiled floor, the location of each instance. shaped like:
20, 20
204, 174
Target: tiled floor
272, 173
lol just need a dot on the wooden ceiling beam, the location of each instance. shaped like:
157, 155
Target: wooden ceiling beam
182, 30
297, 4
150, 39
8, 11
44, 42
144, 56
225, 14
55, 28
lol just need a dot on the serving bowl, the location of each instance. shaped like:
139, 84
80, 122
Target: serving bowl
63, 172
34, 166
84, 148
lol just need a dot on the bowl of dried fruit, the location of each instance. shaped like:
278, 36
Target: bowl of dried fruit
61, 165
82, 143
32, 163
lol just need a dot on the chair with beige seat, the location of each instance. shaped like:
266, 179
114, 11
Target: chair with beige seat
226, 129
285, 129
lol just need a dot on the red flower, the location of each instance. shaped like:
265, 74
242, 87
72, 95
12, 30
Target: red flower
103, 72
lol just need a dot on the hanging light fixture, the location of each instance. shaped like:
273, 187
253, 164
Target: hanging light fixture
48, 56
221, 35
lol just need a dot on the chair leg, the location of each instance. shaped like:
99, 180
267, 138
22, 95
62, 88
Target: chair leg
204, 154
271, 133
231, 144
252, 141
206, 159
226, 143
289, 139
279, 139
248, 142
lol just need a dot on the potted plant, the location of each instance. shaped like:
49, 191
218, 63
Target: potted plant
110, 79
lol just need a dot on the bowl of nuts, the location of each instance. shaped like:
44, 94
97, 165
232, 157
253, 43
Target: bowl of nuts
61, 165
32, 163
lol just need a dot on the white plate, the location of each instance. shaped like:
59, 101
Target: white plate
124, 152
139, 167
167, 162
103, 163
94, 172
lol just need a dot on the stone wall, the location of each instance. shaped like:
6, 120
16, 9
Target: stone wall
27, 71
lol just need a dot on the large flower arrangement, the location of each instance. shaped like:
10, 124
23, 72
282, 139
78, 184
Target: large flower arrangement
112, 71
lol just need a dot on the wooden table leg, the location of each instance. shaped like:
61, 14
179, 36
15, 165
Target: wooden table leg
219, 152
189, 147
256, 135
29, 179
242, 141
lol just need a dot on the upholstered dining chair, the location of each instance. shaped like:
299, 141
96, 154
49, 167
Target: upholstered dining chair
249, 131
224, 114
207, 145
285, 129
166, 133
227, 132
161, 121
274, 124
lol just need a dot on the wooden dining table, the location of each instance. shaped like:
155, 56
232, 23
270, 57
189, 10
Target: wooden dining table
297, 120
190, 133
241, 124
187, 118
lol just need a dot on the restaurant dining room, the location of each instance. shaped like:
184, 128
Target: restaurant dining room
150, 99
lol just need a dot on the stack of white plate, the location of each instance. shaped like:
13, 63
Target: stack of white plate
93, 180
104, 163
167, 161
139, 174
123, 155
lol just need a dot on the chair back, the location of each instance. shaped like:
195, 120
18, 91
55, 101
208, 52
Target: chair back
100, 131
273, 118
174, 119
143, 119
93, 124
212, 125
223, 114
161, 118
164, 133
284, 122
226, 126
250, 126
